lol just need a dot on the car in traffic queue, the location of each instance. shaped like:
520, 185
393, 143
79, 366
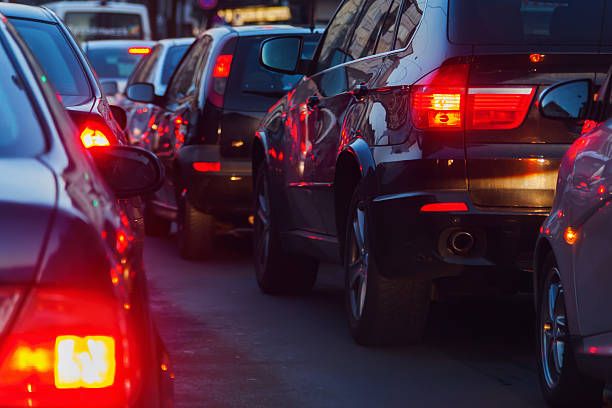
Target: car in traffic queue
412, 151
211, 109
571, 279
75, 324
114, 61
156, 68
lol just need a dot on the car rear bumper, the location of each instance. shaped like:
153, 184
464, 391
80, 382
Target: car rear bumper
594, 355
408, 242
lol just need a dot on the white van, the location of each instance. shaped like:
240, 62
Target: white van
102, 20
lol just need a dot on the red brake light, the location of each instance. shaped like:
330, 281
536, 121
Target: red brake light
91, 136
588, 126
445, 207
442, 100
223, 66
206, 167
139, 50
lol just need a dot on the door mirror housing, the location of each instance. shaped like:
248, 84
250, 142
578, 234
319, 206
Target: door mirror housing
129, 171
120, 116
284, 55
571, 100
110, 88
141, 92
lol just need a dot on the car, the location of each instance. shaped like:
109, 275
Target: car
574, 333
156, 68
412, 152
75, 324
210, 111
114, 61
104, 20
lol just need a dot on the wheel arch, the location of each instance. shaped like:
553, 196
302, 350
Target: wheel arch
258, 154
543, 248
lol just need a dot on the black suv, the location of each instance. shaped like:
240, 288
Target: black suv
210, 112
413, 150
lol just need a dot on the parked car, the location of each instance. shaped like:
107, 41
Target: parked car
412, 151
75, 325
211, 109
571, 265
114, 61
156, 68
104, 20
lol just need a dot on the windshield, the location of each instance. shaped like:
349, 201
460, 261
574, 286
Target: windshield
173, 57
88, 26
55, 54
530, 22
115, 63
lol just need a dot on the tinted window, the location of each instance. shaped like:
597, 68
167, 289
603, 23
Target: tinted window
184, 83
173, 57
333, 49
412, 11
251, 87
145, 69
55, 54
113, 62
387, 36
19, 137
101, 26
527, 22
367, 28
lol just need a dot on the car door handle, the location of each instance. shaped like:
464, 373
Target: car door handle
313, 101
360, 91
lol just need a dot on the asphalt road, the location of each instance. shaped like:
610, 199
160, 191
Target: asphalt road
231, 346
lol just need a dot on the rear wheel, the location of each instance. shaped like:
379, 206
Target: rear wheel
276, 271
562, 383
155, 226
380, 310
196, 231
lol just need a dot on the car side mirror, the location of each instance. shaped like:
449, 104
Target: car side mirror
283, 55
129, 171
141, 92
567, 100
110, 88
120, 116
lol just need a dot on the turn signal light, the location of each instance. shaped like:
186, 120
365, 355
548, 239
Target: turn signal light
445, 207
91, 137
570, 235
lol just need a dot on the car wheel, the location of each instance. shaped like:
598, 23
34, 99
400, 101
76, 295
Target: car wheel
562, 383
196, 231
155, 226
381, 311
276, 271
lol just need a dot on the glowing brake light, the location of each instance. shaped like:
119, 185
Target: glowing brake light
223, 66
91, 137
442, 100
84, 362
445, 207
205, 167
139, 50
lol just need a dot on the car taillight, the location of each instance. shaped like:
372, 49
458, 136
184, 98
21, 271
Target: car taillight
66, 349
442, 100
220, 76
92, 136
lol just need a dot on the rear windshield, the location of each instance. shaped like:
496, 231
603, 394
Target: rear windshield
251, 86
115, 63
57, 57
173, 57
530, 22
19, 137
88, 26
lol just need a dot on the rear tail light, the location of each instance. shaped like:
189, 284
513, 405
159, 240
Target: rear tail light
220, 76
65, 349
445, 207
139, 50
207, 167
93, 136
442, 100
588, 126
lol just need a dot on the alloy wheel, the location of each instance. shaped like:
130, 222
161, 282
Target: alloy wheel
358, 264
553, 330
262, 224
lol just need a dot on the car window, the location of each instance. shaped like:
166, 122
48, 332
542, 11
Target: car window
410, 17
19, 137
113, 62
87, 26
528, 22
387, 32
55, 54
333, 49
184, 82
173, 57
367, 28
145, 69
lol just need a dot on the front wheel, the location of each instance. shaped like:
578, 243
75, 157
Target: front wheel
562, 384
380, 310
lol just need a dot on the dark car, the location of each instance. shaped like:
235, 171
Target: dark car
212, 107
572, 274
75, 325
412, 150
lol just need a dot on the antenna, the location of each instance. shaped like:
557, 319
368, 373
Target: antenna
312, 15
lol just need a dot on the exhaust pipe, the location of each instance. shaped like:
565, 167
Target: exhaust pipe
461, 242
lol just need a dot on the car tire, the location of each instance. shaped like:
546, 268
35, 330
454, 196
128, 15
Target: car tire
196, 231
277, 272
381, 311
156, 226
562, 384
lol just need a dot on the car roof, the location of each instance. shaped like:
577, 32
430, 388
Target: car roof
253, 30
169, 42
98, 6
94, 44
12, 10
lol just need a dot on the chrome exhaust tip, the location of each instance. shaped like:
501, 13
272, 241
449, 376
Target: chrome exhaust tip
461, 242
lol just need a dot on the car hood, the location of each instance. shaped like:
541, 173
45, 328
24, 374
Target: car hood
28, 195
